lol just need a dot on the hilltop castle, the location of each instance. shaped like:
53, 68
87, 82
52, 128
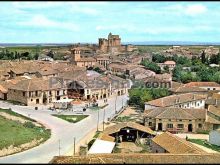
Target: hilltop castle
113, 45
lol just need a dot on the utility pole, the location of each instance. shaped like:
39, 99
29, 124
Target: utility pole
115, 103
104, 120
98, 122
74, 152
59, 147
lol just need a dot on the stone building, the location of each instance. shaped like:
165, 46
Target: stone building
79, 61
112, 44
175, 119
37, 91
186, 101
169, 143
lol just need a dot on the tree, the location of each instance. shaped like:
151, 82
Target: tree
177, 73
151, 66
36, 56
203, 58
215, 59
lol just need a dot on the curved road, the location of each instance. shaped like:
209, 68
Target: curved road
61, 130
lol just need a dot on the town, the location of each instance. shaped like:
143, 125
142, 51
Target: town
109, 83
111, 98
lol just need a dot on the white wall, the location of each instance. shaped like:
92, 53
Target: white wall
214, 137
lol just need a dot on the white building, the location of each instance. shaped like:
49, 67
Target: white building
214, 137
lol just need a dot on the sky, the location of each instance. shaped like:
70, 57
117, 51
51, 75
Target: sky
72, 22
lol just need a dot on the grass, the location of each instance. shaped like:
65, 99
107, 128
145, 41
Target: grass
95, 108
97, 134
205, 143
203, 132
15, 133
123, 118
72, 118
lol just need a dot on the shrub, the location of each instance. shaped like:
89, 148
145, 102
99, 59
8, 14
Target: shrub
29, 124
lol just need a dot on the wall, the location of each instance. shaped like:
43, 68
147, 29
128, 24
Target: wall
214, 137
156, 148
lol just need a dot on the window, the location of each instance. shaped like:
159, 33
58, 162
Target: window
159, 119
190, 120
180, 120
208, 88
213, 88
200, 125
36, 93
169, 119
50, 93
169, 125
23, 93
180, 125
150, 124
31, 99
187, 104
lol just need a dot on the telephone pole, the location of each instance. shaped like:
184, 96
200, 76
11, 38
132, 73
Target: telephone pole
104, 120
74, 152
59, 147
98, 122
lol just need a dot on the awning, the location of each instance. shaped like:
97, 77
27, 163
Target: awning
102, 146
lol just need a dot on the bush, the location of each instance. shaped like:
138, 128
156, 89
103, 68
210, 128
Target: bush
28, 124
91, 143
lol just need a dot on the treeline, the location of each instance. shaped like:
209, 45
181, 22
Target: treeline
5, 54
138, 96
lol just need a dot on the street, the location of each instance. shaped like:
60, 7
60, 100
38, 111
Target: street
60, 129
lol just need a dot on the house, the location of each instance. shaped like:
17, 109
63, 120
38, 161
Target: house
158, 81
79, 61
188, 89
169, 143
170, 64
213, 117
214, 137
175, 119
139, 73
139, 158
37, 91
204, 85
186, 100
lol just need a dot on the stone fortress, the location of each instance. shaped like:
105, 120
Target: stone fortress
113, 45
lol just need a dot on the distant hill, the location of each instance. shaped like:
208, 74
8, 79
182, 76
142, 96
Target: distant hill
172, 43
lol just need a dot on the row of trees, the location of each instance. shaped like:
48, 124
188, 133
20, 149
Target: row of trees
5, 54
151, 66
138, 96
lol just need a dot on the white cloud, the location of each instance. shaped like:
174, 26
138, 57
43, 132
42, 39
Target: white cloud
195, 9
42, 21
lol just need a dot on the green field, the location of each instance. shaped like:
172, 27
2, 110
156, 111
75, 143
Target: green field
15, 133
72, 118
205, 143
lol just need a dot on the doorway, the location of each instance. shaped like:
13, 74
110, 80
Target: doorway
159, 126
190, 128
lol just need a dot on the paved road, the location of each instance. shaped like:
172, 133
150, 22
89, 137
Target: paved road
61, 130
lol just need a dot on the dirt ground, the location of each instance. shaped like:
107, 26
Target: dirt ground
128, 147
129, 111
15, 118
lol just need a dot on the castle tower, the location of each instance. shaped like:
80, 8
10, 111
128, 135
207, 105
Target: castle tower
75, 52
